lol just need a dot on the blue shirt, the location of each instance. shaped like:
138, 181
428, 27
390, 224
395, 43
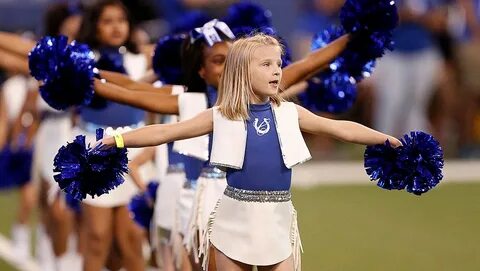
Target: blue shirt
114, 114
193, 167
410, 37
263, 166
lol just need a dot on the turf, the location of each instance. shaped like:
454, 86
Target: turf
366, 228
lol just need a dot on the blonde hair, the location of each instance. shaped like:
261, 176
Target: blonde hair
235, 88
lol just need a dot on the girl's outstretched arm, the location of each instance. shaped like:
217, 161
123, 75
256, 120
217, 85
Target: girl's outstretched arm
153, 135
347, 131
125, 81
16, 44
146, 100
3, 122
13, 63
313, 62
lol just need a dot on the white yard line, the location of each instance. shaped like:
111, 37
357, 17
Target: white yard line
6, 253
347, 173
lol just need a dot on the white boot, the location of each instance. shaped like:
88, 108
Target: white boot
76, 259
69, 261
21, 242
44, 251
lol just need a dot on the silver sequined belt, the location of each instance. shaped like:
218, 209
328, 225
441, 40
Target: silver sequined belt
213, 173
258, 196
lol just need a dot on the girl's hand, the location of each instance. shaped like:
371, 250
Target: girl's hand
105, 143
394, 142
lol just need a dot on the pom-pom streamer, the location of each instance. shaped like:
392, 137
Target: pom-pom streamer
416, 166
89, 171
65, 70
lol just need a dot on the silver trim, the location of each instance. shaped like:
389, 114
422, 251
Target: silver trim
257, 196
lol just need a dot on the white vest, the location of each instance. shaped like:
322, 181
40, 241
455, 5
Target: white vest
230, 138
191, 104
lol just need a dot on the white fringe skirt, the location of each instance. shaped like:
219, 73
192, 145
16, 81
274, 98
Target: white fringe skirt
210, 187
258, 228
168, 194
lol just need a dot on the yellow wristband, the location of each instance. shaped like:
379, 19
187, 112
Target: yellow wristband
119, 140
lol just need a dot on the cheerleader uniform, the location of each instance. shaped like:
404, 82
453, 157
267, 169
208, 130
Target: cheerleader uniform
173, 177
115, 117
211, 182
14, 92
55, 129
254, 222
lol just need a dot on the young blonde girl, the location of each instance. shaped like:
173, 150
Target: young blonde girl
257, 139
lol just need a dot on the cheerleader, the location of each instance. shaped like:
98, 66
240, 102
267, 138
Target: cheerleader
54, 130
107, 29
257, 140
203, 59
170, 171
19, 130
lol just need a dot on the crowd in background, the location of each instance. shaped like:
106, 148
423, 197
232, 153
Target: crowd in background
430, 81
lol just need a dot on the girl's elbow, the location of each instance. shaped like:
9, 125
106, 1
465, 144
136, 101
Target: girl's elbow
346, 136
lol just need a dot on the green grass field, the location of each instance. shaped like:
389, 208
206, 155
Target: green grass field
365, 228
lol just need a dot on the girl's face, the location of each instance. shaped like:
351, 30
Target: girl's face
266, 71
113, 27
70, 26
213, 62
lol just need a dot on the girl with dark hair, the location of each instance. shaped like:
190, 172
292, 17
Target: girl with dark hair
54, 128
107, 29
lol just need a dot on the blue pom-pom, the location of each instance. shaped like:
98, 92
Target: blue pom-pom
65, 70
107, 167
369, 15
142, 206
248, 14
358, 66
167, 58
416, 166
45, 57
83, 170
71, 163
381, 163
372, 23
189, 21
330, 92
422, 159
72, 203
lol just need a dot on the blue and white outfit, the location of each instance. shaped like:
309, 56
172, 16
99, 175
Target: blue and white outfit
211, 183
55, 129
14, 91
254, 221
171, 173
120, 118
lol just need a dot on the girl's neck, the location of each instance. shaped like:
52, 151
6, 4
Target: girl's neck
257, 99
